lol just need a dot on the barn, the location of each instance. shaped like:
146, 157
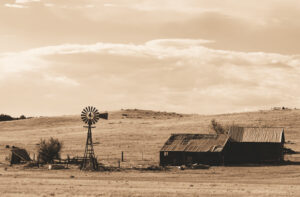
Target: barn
193, 148
239, 146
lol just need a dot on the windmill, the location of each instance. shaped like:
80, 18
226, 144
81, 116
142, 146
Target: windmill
90, 116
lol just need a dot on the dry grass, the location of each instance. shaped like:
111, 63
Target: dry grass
141, 134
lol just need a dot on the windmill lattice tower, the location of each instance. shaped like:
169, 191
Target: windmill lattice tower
90, 116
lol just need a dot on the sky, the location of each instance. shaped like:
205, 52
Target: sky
185, 56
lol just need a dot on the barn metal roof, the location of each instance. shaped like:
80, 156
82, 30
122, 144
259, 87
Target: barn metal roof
255, 134
195, 143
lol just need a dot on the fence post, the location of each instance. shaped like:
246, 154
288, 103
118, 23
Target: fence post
38, 160
122, 156
68, 160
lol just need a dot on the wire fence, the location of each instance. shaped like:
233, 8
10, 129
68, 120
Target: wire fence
124, 159
128, 159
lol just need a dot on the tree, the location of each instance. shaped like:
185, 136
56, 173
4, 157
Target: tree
224, 129
218, 128
49, 150
22, 117
4, 117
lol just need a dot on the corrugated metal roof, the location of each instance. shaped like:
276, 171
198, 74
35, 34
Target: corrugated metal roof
195, 143
255, 134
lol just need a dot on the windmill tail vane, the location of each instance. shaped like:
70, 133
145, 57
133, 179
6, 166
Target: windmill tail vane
103, 116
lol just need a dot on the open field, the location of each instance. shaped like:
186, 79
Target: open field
140, 134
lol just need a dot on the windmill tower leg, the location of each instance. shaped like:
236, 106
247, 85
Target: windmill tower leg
89, 160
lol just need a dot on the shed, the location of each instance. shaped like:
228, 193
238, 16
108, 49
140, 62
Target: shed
255, 145
19, 155
193, 148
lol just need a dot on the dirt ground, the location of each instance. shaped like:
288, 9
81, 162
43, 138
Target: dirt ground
140, 135
217, 181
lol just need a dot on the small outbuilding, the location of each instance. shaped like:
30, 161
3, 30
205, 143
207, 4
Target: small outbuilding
239, 146
19, 155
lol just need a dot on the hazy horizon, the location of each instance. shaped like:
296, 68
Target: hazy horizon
195, 56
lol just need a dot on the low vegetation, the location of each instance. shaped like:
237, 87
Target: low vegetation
5, 117
223, 129
49, 150
217, 127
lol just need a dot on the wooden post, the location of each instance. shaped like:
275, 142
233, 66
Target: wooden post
122, 156
68, 160
38, 160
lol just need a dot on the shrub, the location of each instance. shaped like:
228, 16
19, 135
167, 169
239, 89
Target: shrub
22, 117
218, 128
4, 117
49, 150
224, 129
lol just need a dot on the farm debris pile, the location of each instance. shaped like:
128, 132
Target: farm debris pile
18, 155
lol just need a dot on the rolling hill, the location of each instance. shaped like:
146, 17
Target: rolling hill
139, 133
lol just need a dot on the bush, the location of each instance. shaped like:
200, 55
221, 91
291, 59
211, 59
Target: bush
224, 129
22, 117
49, 150
4, 117
218, 128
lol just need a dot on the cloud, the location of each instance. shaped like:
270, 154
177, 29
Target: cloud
60, 80
48, 4
180, 43
108, 5
26, 1
183, 75
17, 63
187, 56
15, 5
244, 26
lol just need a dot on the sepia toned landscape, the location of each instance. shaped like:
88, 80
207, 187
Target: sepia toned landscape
149, 98
140, 134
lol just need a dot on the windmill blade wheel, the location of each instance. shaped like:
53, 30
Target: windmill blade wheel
90, 115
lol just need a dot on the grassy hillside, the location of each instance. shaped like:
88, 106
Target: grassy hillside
139, 133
